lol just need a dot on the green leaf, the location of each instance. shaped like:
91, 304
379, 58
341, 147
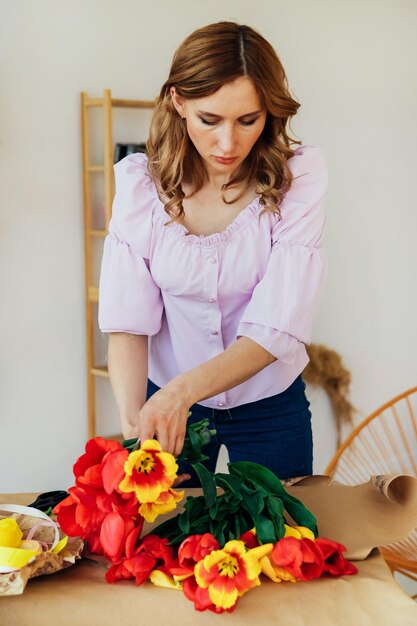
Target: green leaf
220, 510
195, 506
129, 444
233, 500
194, 440
275, 507
253, 503
184, 522
207, 483
238, 531
267, 479
228, 482
168, 528
219, 530
265, 531
257, 473
250, 487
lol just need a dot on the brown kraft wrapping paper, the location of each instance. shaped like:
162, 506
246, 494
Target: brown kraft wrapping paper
362, 517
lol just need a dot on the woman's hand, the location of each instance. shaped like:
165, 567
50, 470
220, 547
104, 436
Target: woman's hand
164, 416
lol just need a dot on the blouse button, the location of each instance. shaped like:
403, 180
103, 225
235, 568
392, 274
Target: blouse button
212, 259
214, 332
220, 404
212, 300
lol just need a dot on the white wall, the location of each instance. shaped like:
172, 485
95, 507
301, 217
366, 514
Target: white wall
352, 66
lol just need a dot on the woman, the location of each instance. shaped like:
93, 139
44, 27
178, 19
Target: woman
212, 267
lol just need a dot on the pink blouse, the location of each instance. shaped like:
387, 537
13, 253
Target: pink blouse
193, 296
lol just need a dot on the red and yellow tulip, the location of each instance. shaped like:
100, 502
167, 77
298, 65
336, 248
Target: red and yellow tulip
166, 502
149, 472
230, 572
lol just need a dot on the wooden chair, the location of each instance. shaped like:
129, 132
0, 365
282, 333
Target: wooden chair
384, 443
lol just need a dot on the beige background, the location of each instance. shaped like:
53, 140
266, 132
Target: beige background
352, 66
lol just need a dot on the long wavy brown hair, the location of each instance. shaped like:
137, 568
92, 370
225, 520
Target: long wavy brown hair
208, 58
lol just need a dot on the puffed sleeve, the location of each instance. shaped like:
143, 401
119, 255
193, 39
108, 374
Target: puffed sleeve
280, 313
129, 299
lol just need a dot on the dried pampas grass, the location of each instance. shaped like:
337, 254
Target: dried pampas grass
326, 370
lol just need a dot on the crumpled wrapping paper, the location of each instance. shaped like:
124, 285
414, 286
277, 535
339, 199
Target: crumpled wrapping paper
363, 517
14, 583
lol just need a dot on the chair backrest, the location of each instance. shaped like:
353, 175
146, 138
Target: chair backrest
384, 443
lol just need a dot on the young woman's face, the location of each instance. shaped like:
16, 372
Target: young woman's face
224, 126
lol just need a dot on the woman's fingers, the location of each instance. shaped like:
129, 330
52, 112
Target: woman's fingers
164, 417
163, 440
179, 444
180, 479
146, 427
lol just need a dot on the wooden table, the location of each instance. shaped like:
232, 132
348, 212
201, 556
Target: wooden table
80, 596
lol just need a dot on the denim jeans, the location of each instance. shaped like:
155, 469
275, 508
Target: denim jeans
274, 431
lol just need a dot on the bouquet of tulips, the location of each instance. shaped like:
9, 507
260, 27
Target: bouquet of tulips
218, 547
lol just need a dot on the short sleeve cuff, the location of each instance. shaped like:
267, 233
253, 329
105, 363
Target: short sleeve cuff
282, 346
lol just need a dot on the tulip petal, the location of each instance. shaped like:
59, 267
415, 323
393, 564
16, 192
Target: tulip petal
60, 545
112, 534
276, 574
113, 470
166, 503
223, 592
305, 532
160, 579
268, 570
15, 558
290, 531
10, 533
252, 560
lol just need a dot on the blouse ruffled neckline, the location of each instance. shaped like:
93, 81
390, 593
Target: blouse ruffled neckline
243, 217
240, 220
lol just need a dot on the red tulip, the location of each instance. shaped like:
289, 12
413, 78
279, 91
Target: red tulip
96, 494
77, 519
335, 563
88, 467
196, 547
113, 533
141, 557
301, 558
66, 510
190, 552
